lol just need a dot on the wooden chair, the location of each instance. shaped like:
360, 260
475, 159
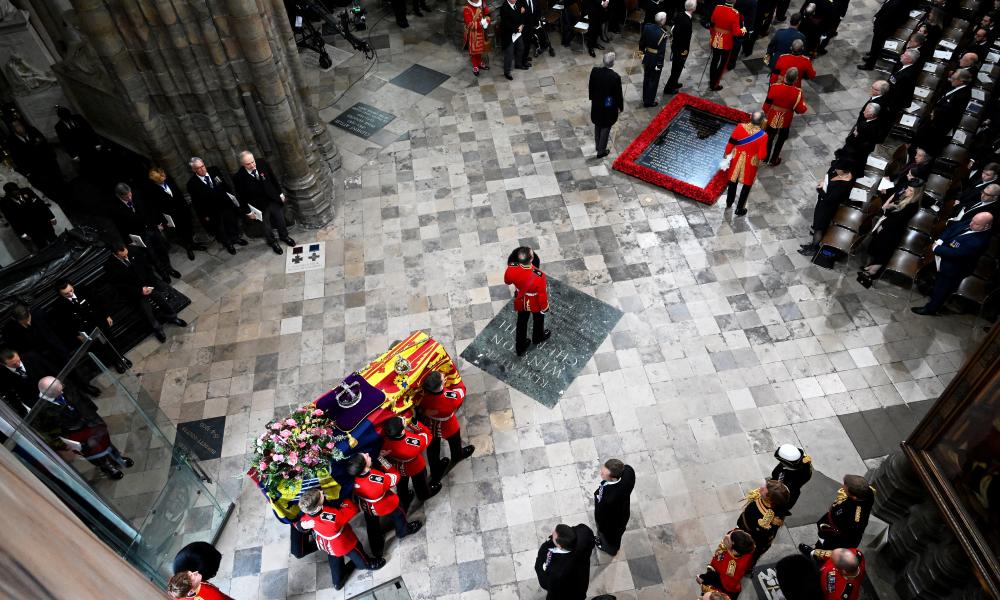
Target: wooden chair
849, 218
924, 221
915, 242
905, 265
634, 14
838, 238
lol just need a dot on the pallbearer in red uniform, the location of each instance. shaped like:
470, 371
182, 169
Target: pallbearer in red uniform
531, 297
477, 20
331, 526
841, 573
783, 101
438, 405
746, 148
373, 490
404, 447
732, 559
188, 584
794, 60
727, 24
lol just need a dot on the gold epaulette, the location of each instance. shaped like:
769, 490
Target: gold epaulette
841, 497
806, 459
824, 554
753, 495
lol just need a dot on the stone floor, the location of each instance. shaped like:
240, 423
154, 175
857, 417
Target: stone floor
731, 342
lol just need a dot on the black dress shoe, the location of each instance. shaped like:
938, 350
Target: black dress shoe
160, 336
178, 322
277, 249
545, 335
92, 390
417, 13
922, 310
866, 67
377, 563
345, 574
605, 39
242, 241
190, 254
522, 350
740, 212
434, 488
552, 51
403, 25
603, 153
806, 549
672, 90
509, 76
650, 105
599, 47
413, 527
174, 273
128, 462
121, 367
289, 241
591, 52
127, 362
522, 68
230, 250
467, 451
715, 88
114, 474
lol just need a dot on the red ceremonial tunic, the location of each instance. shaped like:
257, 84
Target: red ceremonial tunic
407, 453
475, 35
532, 289
440, 409
730, 569
782, 102
331, 525
207, 591
725, 27
787, 61
837, 586
746, 157
374, 493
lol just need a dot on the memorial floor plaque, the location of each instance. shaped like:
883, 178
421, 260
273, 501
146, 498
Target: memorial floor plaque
420, 79
363, 120
681, 148
579, 325
765, 584
203, 438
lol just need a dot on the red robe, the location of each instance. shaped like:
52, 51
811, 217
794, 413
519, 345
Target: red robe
332, 527
440, 410
475, 35
787, 61
207, 591
532, 289
407, 453
746, 157
836, 586
782, 102
725, 27
374, 492
729, 569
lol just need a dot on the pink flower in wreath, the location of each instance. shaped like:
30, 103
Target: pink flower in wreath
302, 444
275, 426
285, 433
293, 458
317, 413
314, 448
278, 458
262, 466
329, 446
291, 422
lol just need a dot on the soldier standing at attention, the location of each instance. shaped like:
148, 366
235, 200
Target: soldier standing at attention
794, 469
531, 297
844, 524
653, 44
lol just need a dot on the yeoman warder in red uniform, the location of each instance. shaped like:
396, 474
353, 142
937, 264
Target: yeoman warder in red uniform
746, 148
531, 297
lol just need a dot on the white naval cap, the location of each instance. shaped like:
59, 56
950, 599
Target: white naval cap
788, 452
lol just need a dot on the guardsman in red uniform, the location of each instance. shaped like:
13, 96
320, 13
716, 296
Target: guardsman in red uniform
841, 573
331, 526
795, 60
727, 25
438, 406
746, 148
783, 101
530, 298
188, 584
732, 559
404, 447
373, 490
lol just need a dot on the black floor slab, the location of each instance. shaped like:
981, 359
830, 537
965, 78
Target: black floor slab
420, 79
363, 120
765, 585
815, 500
826, 83
878, 432
579, 324
203, 438
755, 65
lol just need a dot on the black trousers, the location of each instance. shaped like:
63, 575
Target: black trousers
527, 42
596, 26
601, 135
676, 66
226, 225
419, 485
731, 195
775, 142
650, 83
434, 454
512, 55
734, 54
781, 10
183, 233
944, 285
878, 40
420, 4
376, 536
154, 307
42, 235
338, 565
399, 9
521, 328
274, 218
159, 251
611, 536
720, 59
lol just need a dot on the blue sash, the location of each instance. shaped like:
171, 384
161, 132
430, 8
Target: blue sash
749, 138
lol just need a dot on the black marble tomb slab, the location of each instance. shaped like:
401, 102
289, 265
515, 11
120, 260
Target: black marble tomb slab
363, 120
203, 438
690, 148
579, 325
420, 79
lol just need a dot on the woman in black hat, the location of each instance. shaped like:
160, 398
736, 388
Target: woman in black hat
833, 191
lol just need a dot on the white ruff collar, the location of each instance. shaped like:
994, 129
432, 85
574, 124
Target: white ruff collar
475, 4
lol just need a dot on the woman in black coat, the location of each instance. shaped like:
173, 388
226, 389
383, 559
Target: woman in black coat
890, 228
833, 191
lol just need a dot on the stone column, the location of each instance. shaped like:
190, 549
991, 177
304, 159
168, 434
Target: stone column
209, 78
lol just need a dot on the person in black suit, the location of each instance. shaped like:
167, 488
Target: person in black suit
132, 215
76, 135
34, 158
863, 136
903, 80
611, 504
563, 562
135, 282
887, 19
511, 23
794, 469
75, 313
651, 7
748, 16
680, 45
168, 198
216, 205
257, 186
980, 45
977, 181
606, 102
28, 215
988, 202
19, 378
653, 45
532, 16
947, 112
595, 12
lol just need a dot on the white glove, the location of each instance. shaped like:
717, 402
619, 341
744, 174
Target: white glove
724, 163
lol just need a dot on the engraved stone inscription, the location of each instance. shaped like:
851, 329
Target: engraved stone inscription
690, 147
363, 120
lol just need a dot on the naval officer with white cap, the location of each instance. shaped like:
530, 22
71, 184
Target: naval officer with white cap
794, 469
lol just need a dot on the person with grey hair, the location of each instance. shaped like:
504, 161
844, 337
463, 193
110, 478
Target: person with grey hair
903, 81
653, 45
257, 186
216, 205
934, 134
862, 138
680, 44
133, 216
746, 149
606, 102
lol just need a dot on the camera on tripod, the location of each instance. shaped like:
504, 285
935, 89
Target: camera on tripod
303, 15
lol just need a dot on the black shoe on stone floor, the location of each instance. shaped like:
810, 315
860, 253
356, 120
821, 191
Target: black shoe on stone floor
522, 351
599, 47
603, 153
865, 67
509, 76
230, 249
174, 273
277, 249
127, 362
545, 335
591, 52
114, 474
128, 462
434, 487
468, 451
289, 241
178, 322
160, 336
190, 254
417, 13
377, 563
92, 390
806, 549
242, 241
413, 527
922, 310
345, 574
740, 212
121, 367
